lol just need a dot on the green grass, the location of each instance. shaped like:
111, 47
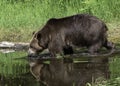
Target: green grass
10, 64
7, 58
19, 18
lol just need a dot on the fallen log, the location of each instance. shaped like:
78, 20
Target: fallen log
8, 47
13, 45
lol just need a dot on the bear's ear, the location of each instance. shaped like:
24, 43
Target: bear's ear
38, 36
33, 32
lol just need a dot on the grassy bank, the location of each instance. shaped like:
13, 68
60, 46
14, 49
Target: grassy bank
18, 18
11, 64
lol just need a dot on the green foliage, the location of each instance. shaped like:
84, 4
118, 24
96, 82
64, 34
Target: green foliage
11, 64
25, 16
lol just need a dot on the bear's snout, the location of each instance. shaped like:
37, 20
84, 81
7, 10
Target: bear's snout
31, 53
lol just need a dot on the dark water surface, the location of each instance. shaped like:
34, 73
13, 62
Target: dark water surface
57, 72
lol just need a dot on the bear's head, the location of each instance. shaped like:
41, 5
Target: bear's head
37, 44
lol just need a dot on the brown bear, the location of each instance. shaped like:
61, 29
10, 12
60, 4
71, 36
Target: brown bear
60, 35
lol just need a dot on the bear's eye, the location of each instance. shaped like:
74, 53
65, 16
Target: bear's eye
39, 36
31, 47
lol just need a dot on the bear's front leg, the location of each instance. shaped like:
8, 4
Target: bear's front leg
55, 48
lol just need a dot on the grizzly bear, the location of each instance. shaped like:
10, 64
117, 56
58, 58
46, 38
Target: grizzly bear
60, 35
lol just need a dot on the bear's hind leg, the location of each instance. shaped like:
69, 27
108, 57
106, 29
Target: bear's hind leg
55, 49
109, 45
93, 49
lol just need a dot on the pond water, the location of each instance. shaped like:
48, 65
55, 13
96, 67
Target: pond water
17, 70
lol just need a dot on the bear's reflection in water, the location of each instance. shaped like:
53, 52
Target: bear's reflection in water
67, 72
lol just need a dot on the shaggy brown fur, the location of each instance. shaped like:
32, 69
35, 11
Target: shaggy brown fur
60, 35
